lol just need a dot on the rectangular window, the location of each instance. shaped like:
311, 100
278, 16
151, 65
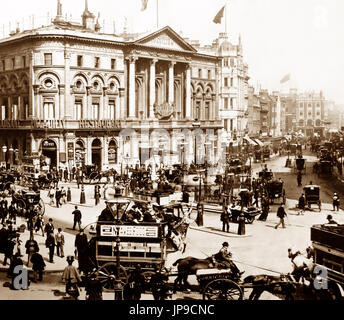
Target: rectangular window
3, 65
198, 110
206, 110
225, 62
226, 124
226, 82
200, 73
96, 62
112, 113
24, 61
79, 61
225, 103
232, 62
231, 103
113, 64
209, 74
13, 63
231, 82
231, 125
48, 59
48, 109
77, 110
95, 111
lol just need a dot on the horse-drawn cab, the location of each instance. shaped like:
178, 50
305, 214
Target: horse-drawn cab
312, 195
266, 175
23, 200
275, 190
324, 168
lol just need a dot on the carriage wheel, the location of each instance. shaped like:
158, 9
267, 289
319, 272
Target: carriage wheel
41, 207
107, 273
222, 289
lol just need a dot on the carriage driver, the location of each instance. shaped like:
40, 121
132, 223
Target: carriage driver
224, 257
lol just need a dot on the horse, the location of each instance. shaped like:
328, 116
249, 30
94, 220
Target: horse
7, 248
281, 285
188, 266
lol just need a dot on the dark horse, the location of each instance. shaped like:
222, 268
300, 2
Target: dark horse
278, 285
188, 266
7, 247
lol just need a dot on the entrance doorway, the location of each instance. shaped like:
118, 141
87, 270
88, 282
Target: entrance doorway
97, 153
49, 150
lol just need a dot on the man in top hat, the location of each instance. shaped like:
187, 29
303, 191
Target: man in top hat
330, 220
224, 258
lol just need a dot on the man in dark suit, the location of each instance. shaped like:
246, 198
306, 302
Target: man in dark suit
50, 244
49, 227
81, 250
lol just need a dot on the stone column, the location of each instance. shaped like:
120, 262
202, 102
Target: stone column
88, 104
106, 153
31, 111
103, 105
212, 107
61, 99
152, 97
188, 93
9, 104
68, 106
132, 98
122, 104
171, 81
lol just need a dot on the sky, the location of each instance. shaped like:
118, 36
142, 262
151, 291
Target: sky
300, 37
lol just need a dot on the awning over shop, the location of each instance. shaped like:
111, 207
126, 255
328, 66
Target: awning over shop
261, 144
250, 141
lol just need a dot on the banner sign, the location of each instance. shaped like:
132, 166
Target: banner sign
129, 231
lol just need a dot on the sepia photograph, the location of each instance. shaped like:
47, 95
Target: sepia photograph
159, 150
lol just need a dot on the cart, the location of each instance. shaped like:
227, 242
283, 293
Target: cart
275, 190
249, 213
215, 284
24, 199
312, 195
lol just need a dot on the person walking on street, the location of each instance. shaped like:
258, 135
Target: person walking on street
81, 251
77, 217
50, 244
65, 175
71, 277
39, 224
330, 220
225, 218
299, 179
51, 195
302, 204
38, 266
336, 202
12, 213
59, 237
136, 285
281, 214
97, 194
49, 227
31, 247
63, 196
93, 288
58, 197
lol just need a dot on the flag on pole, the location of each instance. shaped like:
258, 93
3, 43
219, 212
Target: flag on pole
219, 16
144, 5
286, 78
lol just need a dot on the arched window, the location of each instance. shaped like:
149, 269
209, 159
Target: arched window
112, 153
79, 153
301, 123
318, 123
309, 122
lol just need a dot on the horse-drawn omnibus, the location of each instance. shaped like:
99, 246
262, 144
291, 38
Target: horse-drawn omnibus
138, 242
328, 245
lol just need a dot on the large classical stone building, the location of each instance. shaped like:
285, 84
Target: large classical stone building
72, 94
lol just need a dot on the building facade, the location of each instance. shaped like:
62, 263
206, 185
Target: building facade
76, 96
310, 113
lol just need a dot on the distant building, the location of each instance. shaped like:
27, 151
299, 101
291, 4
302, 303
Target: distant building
253, 120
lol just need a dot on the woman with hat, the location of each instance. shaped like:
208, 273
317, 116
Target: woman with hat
71, 277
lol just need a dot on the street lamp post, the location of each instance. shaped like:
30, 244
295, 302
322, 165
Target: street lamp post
4, 150
82, 194
196, 125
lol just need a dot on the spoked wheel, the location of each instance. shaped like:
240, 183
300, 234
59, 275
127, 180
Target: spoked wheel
107, 273
222, 289
41, 207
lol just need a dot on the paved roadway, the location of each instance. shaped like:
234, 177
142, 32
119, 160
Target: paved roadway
263, 250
